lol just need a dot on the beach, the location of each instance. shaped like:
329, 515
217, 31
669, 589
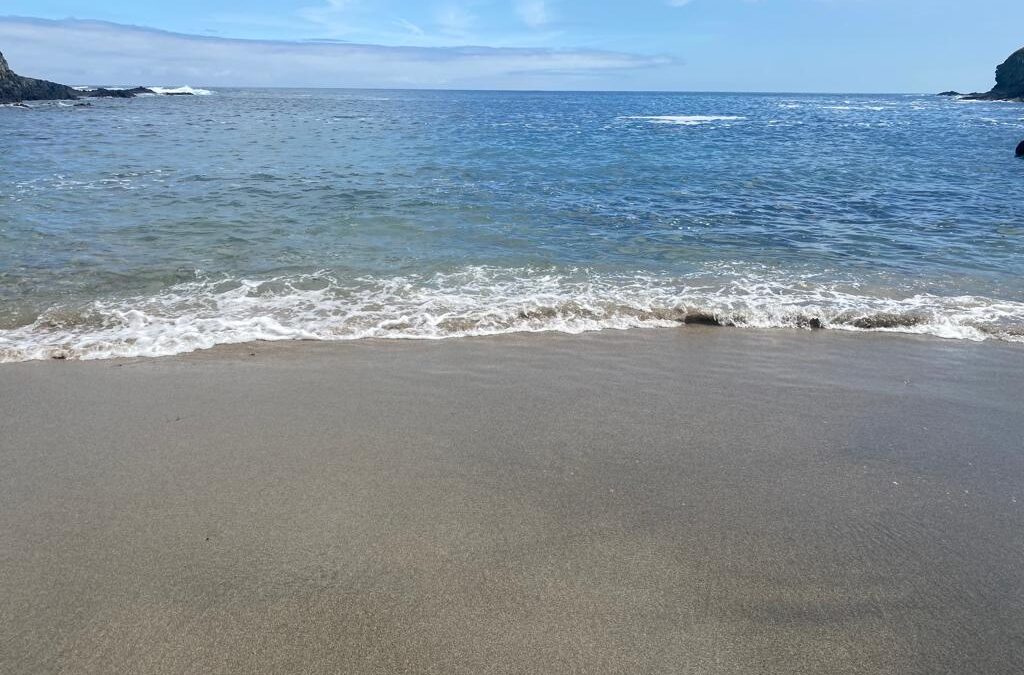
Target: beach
689, 500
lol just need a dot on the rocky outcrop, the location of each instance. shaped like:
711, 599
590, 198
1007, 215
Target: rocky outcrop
114, 93
14, 89
949, 93
1009, 81
1020, 149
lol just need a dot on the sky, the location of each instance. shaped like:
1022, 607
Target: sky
668, 45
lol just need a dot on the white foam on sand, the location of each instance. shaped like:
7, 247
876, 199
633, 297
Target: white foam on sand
477, 301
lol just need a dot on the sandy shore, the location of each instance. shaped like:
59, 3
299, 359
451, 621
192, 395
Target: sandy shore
671, 501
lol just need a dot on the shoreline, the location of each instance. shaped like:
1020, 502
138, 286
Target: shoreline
649, 500
694, 330
696, 322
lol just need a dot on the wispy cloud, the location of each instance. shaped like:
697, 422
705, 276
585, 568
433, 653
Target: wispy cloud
455, 19
329, 15
93, 52
534, 13
410, 27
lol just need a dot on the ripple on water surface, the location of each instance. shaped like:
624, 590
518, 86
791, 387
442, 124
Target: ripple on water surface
186, 221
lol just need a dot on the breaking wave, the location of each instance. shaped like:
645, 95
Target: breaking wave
181, 90
479, 301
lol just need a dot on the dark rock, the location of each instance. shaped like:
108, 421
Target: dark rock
1020, 149
105, 93
177, 93
14, 88
949, 93
1009, 81
114, 93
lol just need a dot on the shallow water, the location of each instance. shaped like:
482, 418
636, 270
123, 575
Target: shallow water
164, 224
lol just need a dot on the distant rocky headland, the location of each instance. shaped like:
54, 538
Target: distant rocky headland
1009, 81
15, 88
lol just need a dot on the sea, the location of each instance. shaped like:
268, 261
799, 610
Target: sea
166, 224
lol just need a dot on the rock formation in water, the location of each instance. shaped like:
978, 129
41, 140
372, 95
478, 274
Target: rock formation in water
1009, 81
1020, 149
949, 93
14, 89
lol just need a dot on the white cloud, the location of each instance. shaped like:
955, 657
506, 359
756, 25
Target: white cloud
93, 52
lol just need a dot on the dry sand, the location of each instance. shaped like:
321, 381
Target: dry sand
674, 501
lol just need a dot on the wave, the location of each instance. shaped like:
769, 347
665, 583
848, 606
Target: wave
185, 89
685, 120
181, 90
478, 301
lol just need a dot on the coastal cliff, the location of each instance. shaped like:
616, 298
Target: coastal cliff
14, 89
1009, 81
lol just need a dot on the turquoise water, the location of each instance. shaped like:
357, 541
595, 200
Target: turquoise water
164, 224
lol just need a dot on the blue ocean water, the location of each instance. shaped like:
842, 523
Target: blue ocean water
165, 224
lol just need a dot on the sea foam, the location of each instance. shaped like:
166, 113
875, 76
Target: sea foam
686, 120
478, 301
181, 90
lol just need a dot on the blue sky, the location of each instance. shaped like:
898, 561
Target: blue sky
731, 45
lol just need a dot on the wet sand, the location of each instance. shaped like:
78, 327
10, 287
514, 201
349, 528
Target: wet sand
673, 501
